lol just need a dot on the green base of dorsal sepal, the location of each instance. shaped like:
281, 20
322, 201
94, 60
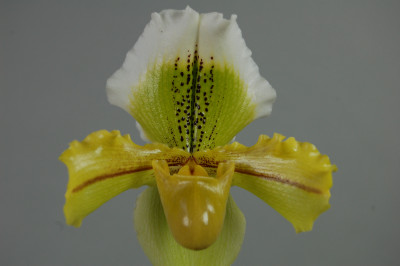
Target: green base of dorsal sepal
191, 104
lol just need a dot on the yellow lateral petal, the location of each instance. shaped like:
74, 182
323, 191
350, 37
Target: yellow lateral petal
291, 176
104, 165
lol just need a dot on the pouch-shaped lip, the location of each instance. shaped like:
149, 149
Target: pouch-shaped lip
194, 205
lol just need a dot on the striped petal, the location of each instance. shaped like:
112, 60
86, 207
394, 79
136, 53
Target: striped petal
190, 81
292, 177
104, 165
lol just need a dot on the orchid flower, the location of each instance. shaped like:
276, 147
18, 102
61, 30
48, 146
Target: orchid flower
191, 85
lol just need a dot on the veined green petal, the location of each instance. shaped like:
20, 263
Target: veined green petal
199, 89
159, 245
104, 165
292, 177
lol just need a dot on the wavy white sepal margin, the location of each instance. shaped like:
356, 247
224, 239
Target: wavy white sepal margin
222, 39
169, 34
143, 135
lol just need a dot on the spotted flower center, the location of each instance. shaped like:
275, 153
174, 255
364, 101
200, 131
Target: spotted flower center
188, 97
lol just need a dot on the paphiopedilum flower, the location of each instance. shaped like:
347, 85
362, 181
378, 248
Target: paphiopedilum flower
191, 85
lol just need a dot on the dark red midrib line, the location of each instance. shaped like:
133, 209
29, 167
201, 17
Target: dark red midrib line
268, 177
274, 178
108, 176
281, 180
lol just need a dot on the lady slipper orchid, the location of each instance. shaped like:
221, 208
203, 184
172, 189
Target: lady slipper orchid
191, 85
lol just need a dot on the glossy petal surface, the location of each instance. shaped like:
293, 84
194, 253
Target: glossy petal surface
292, 177
194, 203
159, 245
105, 164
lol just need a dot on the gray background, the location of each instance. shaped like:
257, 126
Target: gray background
335, 66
